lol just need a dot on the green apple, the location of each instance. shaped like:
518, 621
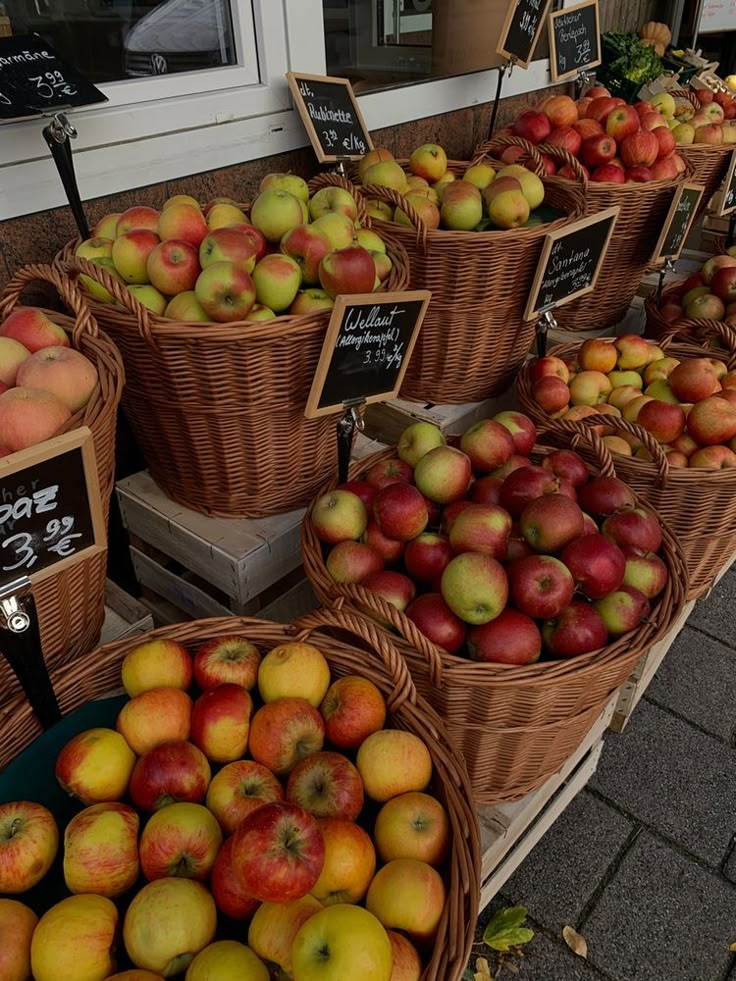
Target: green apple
186, 307
417, 440
329, 199
274, 213
386, 174
482, 174
660, 390
150, 297
618, 378
95, 248
258, 312
475, 587
277, 279
370, 240
94, 288
342, 942
338, 229
311, 301
286, 182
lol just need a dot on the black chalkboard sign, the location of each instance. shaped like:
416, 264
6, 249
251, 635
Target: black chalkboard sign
331, 116
728, 200
367, 349
574, 40
678, 222
50, 507
521, 30
34, 80
570, 262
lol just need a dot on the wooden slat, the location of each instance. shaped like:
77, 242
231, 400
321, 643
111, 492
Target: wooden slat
124, 616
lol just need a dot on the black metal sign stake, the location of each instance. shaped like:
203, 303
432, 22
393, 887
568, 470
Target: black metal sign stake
545, 321
507, 65
58, 135
20, 645
346, 427
668, 266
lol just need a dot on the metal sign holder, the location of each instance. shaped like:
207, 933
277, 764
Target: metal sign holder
507, 66
581, 80
58, 135
346, 427
20, 645
668, 266
545, 322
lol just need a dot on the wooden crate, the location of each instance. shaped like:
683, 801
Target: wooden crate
386, 421
509, 831
646, 667
124, 616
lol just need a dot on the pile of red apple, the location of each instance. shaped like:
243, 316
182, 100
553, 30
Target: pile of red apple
305, 821
484, 198
43, 380
688, 406
491, 555
615, 143
709, 294
293, 254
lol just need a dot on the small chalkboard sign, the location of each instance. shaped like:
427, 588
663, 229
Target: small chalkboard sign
574, 40
367, 349
50, 507
570, 262
521, 30
728, 199
678, 222
331, 116
35, 81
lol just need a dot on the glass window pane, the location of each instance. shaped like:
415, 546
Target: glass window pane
381, 43
110, 40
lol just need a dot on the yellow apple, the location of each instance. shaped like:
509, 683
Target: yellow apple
181, 199
180, 839
342, 942
17, 923
294, 670
350, 863
408, 895
273, 928
393, 762
186, 919
101, 850
156, 664
95, 766
227, 960
160, 715
412, 826
225, 216
74, 939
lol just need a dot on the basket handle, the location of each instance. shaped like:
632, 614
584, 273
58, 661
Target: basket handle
578, 433
501, 143
329, 179
703, 330
399, 201
74, 300
77, 265
560, 153
351, 621
659, 457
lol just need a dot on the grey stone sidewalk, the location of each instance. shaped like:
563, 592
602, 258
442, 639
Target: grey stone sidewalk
643, 862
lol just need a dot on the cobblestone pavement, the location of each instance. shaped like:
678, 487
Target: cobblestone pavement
643, 862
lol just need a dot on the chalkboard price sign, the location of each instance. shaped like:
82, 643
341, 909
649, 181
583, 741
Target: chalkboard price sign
521, 30
728, 201
50, 507
678, 222
367, 349
574, 40
570, 262
331, 116
34, 80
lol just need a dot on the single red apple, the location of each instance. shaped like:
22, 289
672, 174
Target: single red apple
426, 556
512, 638
541, 586
635, 527
437, 622
604, 495
597, 564
579, 629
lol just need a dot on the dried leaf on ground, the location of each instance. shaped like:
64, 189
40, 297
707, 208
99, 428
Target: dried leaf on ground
577, 944
482, 970
732, 948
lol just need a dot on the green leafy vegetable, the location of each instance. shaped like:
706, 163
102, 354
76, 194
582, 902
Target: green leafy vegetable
631, 59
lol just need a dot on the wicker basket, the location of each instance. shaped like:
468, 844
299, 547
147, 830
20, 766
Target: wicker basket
699, 507
218, 409
643, 208
657, 328
474, 337
515, 726
367, 652
709, 164
71, 604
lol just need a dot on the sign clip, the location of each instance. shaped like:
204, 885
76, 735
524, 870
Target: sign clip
668, 266
58, 135
544, 323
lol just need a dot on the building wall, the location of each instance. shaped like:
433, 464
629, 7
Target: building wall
38, 237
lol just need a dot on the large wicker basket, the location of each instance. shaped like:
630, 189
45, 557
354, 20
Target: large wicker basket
643, 208
351, 645
218, 409
658, 328
514, 725
699, 507
71, 604
474, 337
708, 164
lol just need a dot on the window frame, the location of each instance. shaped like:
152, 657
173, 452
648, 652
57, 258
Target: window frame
122, 146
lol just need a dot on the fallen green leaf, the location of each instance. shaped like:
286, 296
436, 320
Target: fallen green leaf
505, 929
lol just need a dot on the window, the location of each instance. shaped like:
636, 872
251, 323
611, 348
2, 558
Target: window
385, 43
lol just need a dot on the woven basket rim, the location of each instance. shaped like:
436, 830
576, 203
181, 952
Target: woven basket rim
85, 680
441, 663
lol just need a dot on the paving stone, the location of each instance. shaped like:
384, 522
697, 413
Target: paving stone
662, 918
674, 778
710, 702
562, 872
544, 959
715, 615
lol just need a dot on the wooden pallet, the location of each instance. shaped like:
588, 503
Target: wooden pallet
510, 831
631, 692
124, 616
386, 421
